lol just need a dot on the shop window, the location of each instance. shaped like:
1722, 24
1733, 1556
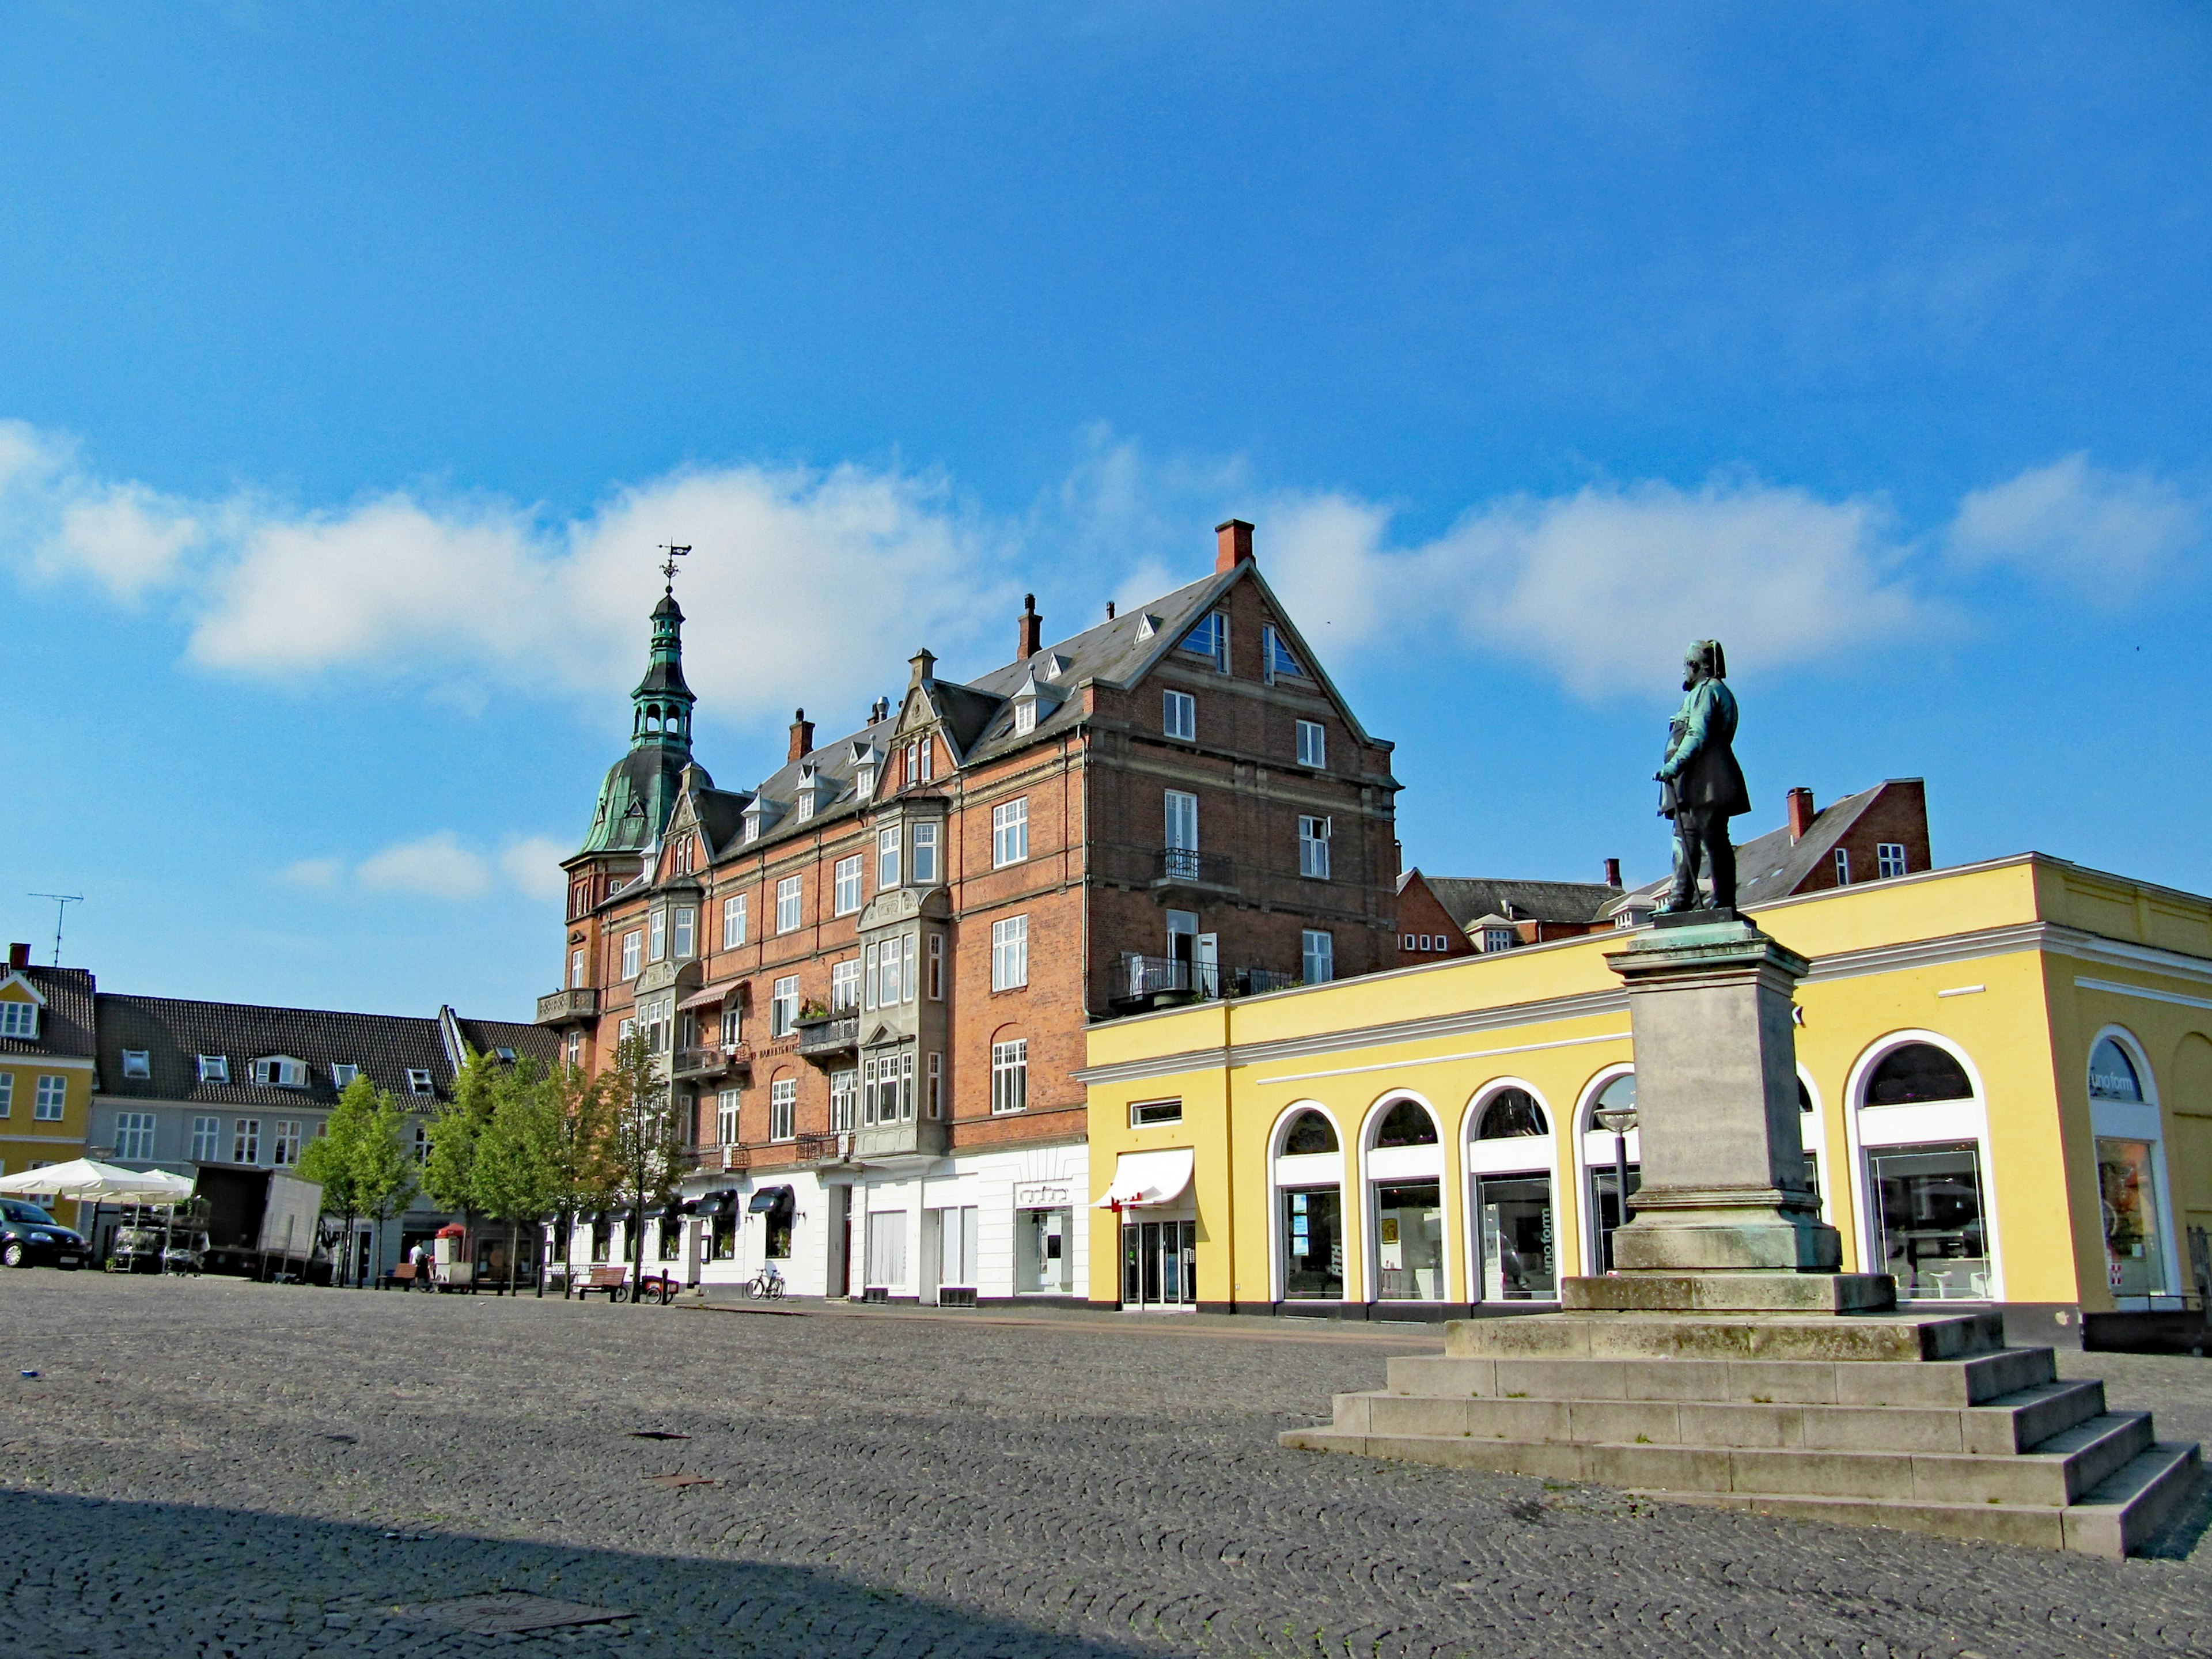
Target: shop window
722, 1236
1313, 1242
1519, 1248
1148, 1114
1044, 1256
672, 1237
2112, 1074
1928, 1209
1409, 1236
602, 1237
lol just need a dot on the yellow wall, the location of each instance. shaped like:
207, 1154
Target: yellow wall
2006, 940
26, 1139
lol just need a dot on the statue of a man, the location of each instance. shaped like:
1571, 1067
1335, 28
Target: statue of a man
1701, 786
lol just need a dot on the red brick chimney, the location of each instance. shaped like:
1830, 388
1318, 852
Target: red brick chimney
1032, 636
802, 735
1801, 813
1232, 544
1613, 872
18, 956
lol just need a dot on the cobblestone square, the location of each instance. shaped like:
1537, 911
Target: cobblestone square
209, 1469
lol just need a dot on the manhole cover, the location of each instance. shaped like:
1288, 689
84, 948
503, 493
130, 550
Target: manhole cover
500, 1612
657, 1434
681, 1479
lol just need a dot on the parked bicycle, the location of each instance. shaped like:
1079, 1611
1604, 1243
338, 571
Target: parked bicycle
766, 1285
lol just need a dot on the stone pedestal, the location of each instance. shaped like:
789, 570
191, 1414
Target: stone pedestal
1722, 1156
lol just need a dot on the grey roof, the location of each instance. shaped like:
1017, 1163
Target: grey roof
529, 1041
1468, 899
65, 1028
174, 1032
978, 714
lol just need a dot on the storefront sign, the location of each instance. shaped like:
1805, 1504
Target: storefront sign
1042, 1195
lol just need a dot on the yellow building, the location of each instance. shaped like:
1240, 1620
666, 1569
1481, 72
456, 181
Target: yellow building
45, 1065
2007, 1084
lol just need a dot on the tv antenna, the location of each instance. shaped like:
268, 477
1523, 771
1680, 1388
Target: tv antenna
668, 565
62, 903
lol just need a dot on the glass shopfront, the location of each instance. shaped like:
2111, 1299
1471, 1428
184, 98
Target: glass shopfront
1159, 1264
2135, 1257
1313, 1245
1605, 1205
1044, 1250
1409, 1236
1928, 1204
1519, 1248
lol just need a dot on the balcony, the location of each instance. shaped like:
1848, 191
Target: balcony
703, 1064
713, 1160
878, 1143
1136, 983
564, 1007
828, 1037
1186, 870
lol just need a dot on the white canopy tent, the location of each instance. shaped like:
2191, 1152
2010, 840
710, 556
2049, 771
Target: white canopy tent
90, 1182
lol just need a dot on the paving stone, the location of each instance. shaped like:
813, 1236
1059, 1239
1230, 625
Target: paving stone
208, 1469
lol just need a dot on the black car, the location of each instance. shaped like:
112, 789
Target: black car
28, 1235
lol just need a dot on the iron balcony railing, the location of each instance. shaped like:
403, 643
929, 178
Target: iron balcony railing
711, 1060
1134, 980
838, 1034
1186, 866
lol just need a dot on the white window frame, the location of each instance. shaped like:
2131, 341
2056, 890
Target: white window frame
1889, 859
848, 879
1025, 713
845, 986
937, 967
1179, 814
7, 1093
1843, 867
19, 1018
790, 904
1009, 1077
1179, 715
936, 1087
134, 1135
420, 1082
1217, 650
783, 1109
50, 1102
207, 1139
1010, 953
1313, 847
1010, 832
1317, 956
728, 1102
137, 1063
1272, 649
783, 1006
285, 1142
1313, 744
733, 922
342, 1072
576, 969
633, 954
685, 933
657, 925
887, 857
924, 861
245, 1141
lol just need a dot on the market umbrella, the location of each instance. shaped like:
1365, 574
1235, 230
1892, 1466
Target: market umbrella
91, 1181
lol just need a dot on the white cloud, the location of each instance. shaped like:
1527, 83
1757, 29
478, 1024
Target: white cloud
312, 872
2103, 532
436, 866
533, 865
126, 536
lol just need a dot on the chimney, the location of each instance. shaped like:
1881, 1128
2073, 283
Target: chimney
1233, 545
1613, 872
1032, 626
1800, 814
1109, 610
802, 735
18, 956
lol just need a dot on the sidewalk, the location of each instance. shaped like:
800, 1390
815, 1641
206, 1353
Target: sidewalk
1405, 1335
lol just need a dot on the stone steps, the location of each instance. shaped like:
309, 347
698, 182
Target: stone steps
1967, 1382
2005, 1427
1846, 1339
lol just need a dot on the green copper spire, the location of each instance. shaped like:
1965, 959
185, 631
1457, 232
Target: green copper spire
641, 789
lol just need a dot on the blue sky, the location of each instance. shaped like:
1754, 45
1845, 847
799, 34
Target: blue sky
352, 360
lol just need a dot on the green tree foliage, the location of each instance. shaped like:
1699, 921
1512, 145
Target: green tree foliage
512, 1176
648, 1143
360, 1163
449, 1175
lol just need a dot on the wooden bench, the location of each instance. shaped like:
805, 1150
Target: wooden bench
614, 1281
401, 1277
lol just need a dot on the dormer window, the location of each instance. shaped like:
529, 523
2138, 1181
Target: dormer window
863, 781
343, 1072
1025, 717
19, 1019
810, 791
1147, 625
137, 1063
1210, 639
418, 1080
280, 1072
215, 1068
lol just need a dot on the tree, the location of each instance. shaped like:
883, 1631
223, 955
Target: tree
513, 1176
358, 1158
648, 1143
449, 1173
576, 1133
328, 1159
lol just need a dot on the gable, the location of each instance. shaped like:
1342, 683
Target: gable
18, 988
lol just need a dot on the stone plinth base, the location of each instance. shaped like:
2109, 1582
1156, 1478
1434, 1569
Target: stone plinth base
1746, 1292
1922, 1421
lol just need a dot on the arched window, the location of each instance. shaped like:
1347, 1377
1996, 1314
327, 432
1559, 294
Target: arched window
1513, 1239
1918, 1074
2112, 1074
1603, 1157
1309, 1179
1407, 1124
1308, 1132
1511, 1114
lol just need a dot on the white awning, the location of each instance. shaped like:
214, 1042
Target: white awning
83, 1178
1146, 1180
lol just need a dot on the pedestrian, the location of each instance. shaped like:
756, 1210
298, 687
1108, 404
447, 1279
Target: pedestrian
419, 1256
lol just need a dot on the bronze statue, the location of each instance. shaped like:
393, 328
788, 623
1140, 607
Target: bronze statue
1701, 785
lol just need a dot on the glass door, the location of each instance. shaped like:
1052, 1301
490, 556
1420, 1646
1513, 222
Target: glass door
1159, 1264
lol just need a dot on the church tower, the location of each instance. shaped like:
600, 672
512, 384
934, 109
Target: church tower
640, 788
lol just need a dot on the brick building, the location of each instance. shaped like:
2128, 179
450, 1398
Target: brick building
871, 974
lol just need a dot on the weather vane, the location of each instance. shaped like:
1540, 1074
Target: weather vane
668, 565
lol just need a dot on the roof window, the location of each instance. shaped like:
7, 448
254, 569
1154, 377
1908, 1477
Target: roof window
418, 1080
505, 1054
137, 1063
280, 1071
215, 1068
19, 1019
343, 1072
